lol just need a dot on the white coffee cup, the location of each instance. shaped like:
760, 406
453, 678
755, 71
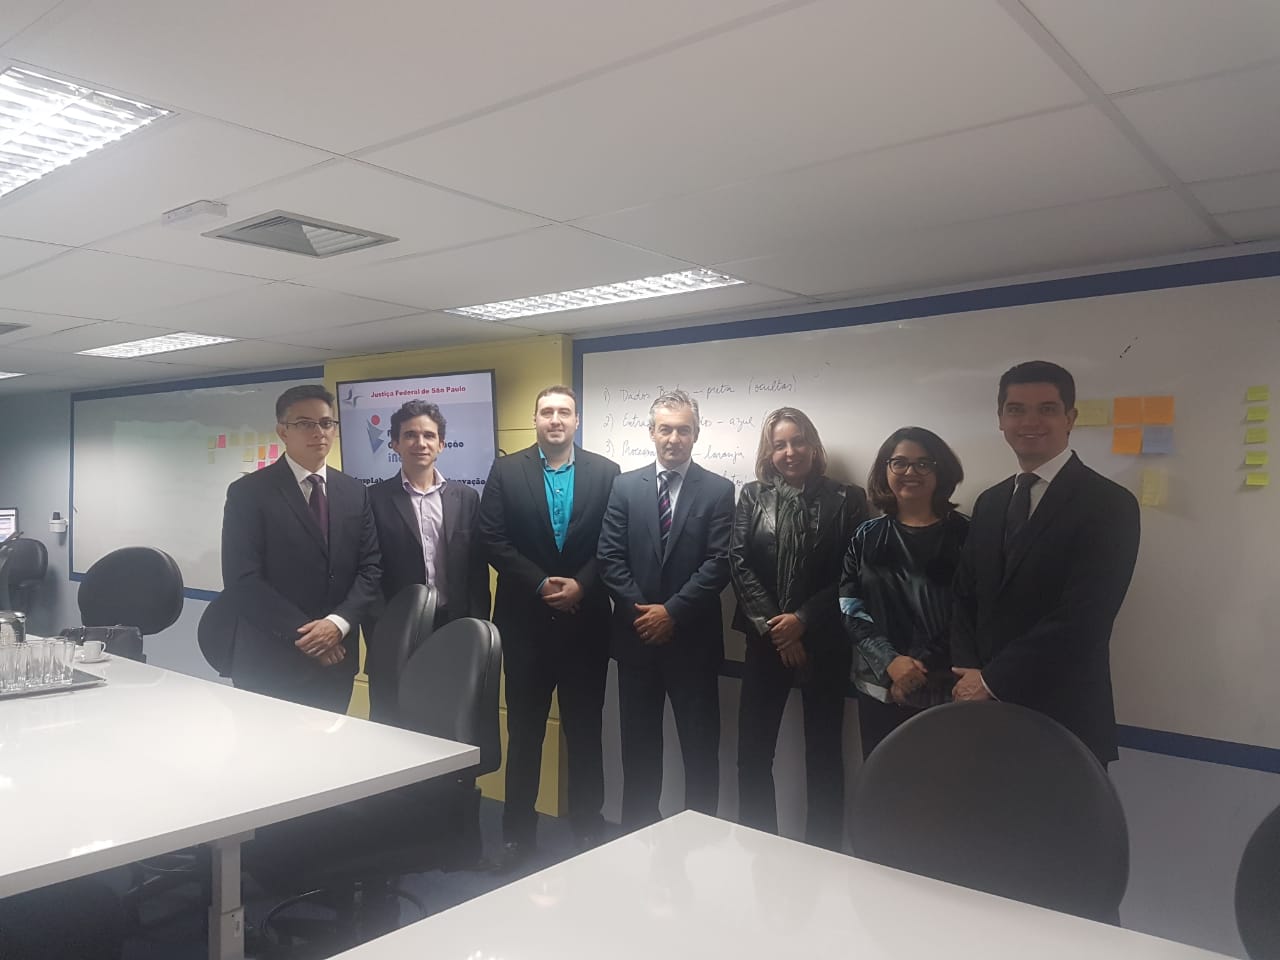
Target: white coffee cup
93, 650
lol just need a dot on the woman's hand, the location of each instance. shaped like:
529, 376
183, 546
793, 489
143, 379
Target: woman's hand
908, 675
784, 629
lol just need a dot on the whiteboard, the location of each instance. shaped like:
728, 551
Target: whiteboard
152, 469
1195, 649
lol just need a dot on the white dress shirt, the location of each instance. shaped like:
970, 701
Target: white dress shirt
1047, 471
676, 482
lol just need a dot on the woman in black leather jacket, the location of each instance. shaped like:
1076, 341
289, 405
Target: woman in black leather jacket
895, 590
789, 537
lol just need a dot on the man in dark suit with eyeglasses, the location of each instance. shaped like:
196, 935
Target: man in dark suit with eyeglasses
300, 563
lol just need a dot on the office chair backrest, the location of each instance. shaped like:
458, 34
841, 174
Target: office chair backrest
449, 688
23, 565
134, 586
215, 633
401, 627
1258, 891
999, 798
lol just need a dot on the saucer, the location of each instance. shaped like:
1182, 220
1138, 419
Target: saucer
81, 658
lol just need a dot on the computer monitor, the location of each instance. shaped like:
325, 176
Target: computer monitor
8, 522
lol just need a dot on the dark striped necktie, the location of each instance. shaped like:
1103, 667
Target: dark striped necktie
1019, 506
319, 504
664, 503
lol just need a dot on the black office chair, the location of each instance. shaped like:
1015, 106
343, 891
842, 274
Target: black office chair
390, 649
999, 798
23, 565
1258, 891
215, 634
133, 586
351, 859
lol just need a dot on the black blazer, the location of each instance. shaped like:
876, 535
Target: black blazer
1039, 622
279, 573
687, 577
400, 539
517, 540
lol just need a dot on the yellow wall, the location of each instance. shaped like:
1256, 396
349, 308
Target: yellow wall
521, 368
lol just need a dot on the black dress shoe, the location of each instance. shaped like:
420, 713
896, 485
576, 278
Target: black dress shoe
515, 854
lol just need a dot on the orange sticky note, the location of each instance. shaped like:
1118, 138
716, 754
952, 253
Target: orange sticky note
1157, 410
1126, 440
1127, 410
262, 451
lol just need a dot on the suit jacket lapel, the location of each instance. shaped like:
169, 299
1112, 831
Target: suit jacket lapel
292, 494
582, 476
538, 491
990, 548
450, 504
404, 507
684, 503
649, 508
1060, 492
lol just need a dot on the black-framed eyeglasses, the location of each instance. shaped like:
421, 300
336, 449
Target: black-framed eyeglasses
899, 466
328, 425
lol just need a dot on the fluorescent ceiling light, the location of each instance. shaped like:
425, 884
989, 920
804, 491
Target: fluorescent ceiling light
47, 123
6, 376
143, 348
686, 281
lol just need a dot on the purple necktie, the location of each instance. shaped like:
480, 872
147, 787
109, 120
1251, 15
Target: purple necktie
319, 504
664, 503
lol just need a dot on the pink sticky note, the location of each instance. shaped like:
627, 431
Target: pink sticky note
261, 464
222, 441
274, 452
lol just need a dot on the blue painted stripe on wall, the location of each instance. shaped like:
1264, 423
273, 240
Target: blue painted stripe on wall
227, 380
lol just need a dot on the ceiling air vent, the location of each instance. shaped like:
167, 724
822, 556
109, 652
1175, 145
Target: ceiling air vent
294, 234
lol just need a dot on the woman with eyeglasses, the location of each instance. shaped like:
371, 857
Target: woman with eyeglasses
789, 535
895, 591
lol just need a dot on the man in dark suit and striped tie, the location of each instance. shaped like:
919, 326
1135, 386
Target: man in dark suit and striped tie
664, 555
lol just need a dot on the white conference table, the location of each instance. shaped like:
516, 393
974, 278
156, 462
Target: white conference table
696, 887
154, 761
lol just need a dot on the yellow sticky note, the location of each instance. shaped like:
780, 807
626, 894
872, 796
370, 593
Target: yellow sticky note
1093, 413
1157, 410
1258, 478
213, 457
1126, 440
1256, 458
213, 443
248, 456
1255, 435
1155, 487
233, 440
1257, 414
1257, 394
1127, 410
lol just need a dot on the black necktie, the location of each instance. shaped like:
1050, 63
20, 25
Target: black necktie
319, 504
1019, 506
664, 503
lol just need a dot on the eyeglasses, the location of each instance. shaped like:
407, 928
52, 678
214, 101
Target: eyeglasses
307, 426
899, 466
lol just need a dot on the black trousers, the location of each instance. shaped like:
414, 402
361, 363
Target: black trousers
876, 720
766, 683
694, 689
327, 689
575, 667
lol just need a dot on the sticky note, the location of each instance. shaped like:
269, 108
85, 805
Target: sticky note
1093, 413
262, 451
1155, 487
1127, 410
1126, 440
273, 451
1157, 410
248, 456
212, 457
1258, 478
233, 440
213, 443
1157, 440
1255, 435
1256, 458
1257, 394
1257, 414
222, 441
261, 464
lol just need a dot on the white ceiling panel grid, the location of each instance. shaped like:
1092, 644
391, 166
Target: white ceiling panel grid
17, 254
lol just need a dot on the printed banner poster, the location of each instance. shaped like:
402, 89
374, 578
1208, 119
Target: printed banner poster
465, 401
